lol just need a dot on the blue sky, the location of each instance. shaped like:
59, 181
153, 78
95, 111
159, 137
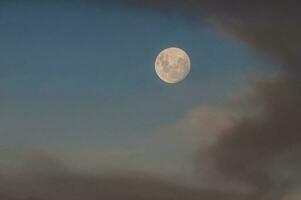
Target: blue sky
84, 74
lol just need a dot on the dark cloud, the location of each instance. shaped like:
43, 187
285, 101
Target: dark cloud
55, 182
263, 151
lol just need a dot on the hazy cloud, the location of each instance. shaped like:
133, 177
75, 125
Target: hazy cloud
55, 182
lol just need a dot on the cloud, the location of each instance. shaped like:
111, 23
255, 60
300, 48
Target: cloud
28, 163
59, 183
255, 147
173, 150
177, 146
200, 125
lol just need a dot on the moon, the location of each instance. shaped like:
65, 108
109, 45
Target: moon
172, 65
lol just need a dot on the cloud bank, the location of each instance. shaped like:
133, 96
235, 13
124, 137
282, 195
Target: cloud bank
41, 177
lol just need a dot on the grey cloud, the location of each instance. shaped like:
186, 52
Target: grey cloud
55, 182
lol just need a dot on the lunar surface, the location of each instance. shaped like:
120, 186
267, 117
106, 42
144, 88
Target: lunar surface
172, 65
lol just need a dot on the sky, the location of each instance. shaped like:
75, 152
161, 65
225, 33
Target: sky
85, 75
77, 83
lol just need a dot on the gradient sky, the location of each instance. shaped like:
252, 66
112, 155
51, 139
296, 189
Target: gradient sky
78, 80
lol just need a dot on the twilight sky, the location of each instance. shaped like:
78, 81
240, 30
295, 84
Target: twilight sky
77, 82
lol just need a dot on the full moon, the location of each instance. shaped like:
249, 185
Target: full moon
172, 65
